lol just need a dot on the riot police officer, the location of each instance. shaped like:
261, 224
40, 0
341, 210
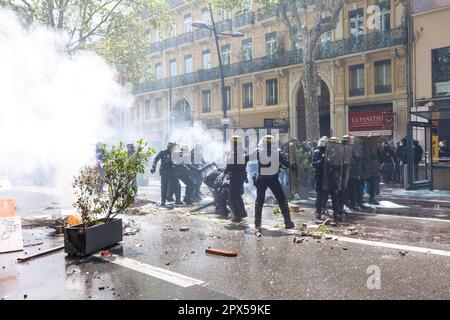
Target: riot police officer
332, 175
345, 173
183, 174
236, 169
317, 164
270, 159
167, 172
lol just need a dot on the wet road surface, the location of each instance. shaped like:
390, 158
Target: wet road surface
268, 267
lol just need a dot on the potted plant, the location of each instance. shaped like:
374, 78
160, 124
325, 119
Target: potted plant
99, 207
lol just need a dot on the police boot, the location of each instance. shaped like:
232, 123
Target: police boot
286, 215
258, 214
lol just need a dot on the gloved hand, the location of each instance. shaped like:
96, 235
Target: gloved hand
153, 170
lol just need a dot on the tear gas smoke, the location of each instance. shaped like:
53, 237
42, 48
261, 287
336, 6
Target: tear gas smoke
53, 107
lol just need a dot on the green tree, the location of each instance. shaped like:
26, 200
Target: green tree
113, 28
293, 14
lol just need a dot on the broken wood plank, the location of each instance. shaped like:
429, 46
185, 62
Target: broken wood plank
209, 204
45, 252
33, 244
221, 252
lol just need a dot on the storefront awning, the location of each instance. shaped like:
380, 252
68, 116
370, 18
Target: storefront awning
439, 109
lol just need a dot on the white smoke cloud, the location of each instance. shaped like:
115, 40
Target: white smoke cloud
52, 105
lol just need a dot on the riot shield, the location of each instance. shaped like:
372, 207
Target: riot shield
370, 159
333, 166
348, 153
356, 162
292, 172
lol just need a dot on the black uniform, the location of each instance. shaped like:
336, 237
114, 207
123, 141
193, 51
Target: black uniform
237, 171
196, 153
355, 188
168, 175
387, 160
318, 158
219, 185
270, 180
333, 181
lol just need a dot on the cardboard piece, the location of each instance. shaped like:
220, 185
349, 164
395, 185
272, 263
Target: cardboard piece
11, 234
7, 208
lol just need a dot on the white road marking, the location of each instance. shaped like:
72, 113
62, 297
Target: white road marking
393, 216
374, 243
159, 273
394, 246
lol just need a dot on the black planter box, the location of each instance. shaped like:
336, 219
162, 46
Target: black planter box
81, 242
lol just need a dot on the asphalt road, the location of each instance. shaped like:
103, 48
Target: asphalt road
370, 256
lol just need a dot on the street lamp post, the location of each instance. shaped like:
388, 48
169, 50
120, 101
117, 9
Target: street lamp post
203, 25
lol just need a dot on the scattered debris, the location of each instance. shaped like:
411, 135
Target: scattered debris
294, 208
131, 228
304, 225
33, 244
167, 263
73, 220
168, 227
345, 248
106, 253
20, 260
258, 234
277, 212
184, 229
317, 235
193, 251
101, 288
403, 253
139, 245
221, 252
326, 222
328, 237
298, 240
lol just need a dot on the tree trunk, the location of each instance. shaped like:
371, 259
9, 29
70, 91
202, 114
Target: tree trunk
310, 80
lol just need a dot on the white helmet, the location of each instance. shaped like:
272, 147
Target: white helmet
323, 142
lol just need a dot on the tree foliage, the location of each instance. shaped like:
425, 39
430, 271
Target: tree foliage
114, 28
307, 33
120, 171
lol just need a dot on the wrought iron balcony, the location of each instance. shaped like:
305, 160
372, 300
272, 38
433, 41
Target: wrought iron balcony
202, 34
184, 38
334, 49
247, 104
366, 42
169, 43
155, 47
244, 19
356, 92
224, 26
379, 89
264, 14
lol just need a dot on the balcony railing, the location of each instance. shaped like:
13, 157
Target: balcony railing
264, 14
202, 34
155, 47
169, 43
379, 89
366, 42
356, 92
184, 38
334, 49
224, 26
244, 19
